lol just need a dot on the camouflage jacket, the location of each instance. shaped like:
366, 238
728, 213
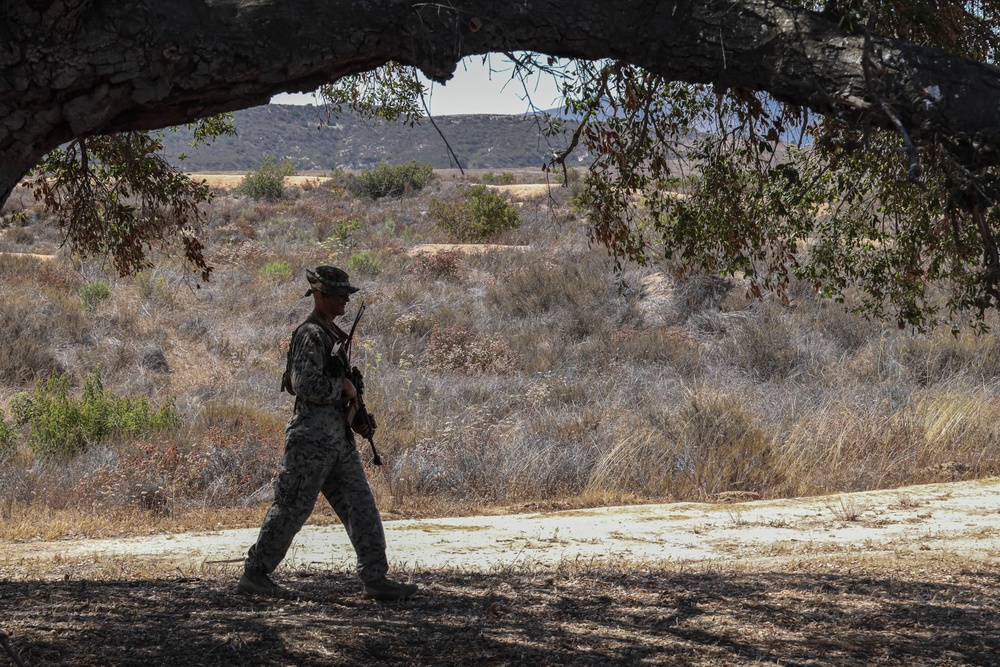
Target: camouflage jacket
316, 367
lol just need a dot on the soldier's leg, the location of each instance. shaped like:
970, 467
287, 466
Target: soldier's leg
346, 489
304, 466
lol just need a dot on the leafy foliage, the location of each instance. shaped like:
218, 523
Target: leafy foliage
391, 92
267, 182
116, 196
734, 182
63, 425
480, 215
387, 180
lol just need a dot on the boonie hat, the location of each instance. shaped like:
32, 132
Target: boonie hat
329, 279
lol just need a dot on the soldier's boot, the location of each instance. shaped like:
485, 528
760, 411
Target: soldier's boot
261, 584
387, 590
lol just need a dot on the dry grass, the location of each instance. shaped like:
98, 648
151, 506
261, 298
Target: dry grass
500, 378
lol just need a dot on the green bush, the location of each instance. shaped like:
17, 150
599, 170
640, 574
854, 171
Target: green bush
8, 437
479, 216
279, 269
268, 181
363, 262
391, 180
93, 293
581, 196
504, 178
63, 425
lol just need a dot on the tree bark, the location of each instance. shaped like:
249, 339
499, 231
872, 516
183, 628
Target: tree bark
72, 68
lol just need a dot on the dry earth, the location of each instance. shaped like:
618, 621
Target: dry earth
900, 577
232, 180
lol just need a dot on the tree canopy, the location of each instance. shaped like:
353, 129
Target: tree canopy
850, 143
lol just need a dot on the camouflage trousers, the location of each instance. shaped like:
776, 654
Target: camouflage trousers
311, 466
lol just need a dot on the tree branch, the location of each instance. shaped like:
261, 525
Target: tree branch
128, 66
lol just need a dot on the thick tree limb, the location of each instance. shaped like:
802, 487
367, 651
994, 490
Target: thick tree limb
70, 68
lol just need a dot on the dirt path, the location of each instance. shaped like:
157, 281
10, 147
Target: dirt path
960, 518
904, 578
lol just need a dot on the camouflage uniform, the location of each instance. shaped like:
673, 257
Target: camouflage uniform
320, 456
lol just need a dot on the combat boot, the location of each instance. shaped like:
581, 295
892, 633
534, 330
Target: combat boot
387, 590
261, 584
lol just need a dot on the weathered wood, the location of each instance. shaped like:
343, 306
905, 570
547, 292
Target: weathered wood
79, 67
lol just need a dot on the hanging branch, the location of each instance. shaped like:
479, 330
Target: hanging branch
451, 153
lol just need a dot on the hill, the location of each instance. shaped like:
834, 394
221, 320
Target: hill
303, 134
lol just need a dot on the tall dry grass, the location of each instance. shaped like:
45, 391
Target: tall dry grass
499, 378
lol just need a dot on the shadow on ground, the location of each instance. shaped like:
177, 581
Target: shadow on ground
570, 616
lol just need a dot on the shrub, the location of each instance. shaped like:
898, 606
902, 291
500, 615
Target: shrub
504, 178
444, 264
458, 349
279, 269
93, 293
363, 262
391, 180
8, 437
581, 196
268, 181
62, 425
764, 346
479, 216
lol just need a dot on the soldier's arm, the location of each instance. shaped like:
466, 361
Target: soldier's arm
308, 358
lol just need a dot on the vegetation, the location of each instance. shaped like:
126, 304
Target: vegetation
387, 180
61, 425
8, 438
267, 182
478, 215
540, 375
503, 178
93, 293
279, 269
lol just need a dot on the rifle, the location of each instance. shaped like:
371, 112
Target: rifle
361, 414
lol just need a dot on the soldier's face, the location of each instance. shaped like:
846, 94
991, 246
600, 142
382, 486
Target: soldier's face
333, 305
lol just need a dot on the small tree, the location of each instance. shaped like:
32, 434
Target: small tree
479, 216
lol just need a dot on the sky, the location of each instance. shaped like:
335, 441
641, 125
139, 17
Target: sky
473, 90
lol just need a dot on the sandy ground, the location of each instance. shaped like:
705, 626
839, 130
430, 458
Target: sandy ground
961, 518
232, 180
466, 248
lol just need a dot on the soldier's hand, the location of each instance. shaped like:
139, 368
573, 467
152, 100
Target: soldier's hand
361, 429
348, 393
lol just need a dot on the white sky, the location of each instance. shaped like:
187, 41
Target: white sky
473, 90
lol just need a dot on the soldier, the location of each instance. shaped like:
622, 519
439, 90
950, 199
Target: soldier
320, 454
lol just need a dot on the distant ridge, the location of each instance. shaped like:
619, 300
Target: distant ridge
299, 133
